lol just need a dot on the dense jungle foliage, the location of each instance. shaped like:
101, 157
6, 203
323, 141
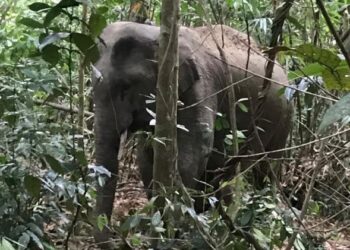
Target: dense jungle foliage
47, 175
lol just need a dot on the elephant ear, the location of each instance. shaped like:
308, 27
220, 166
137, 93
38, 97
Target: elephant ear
188, 73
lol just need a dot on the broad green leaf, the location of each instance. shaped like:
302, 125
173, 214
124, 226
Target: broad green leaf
312, 69
263, 239
315, 54
337, 78
33, 185
156, 219
31, 22
295, 22
102, 221
96, 24
335, 113
51, 15
131, 222
50, 54
35, 229
24, 241
246, 217
54, 164
243, 107
6, 245
38, 6
36, 239
91, 55
102, 10
83, 42
67, 3
52, 38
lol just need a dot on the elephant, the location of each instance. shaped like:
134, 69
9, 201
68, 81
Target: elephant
210, 59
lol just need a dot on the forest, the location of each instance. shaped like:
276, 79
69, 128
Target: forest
174, 124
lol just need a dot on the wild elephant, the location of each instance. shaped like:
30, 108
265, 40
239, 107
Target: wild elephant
210, 59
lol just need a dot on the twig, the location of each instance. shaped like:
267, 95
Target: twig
62, 107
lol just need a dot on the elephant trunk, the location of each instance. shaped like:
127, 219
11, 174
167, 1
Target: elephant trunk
107, 140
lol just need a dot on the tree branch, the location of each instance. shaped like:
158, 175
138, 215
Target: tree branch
62, 107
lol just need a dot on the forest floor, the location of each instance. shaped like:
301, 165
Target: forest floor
130, 196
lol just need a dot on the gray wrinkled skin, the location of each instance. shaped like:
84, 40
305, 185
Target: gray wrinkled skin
129, 72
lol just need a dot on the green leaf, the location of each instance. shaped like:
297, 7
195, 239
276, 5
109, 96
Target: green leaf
83, 42
50, 54
51, 15
243, 107
246, 218
296, 22
36, 239
102, 221
337, 78
35, 229
33, 185
6, 245
52, 38
102, 10
130, 223
54, 164
312, 69
24, 241
156, 219
31, 23
67, 3
315, 54
38, 6
91, 55
97, 22
336, 112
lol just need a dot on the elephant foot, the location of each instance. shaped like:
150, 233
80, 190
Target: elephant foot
105, 239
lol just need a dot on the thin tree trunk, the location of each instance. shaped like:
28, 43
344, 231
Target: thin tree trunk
81, 86
165, 144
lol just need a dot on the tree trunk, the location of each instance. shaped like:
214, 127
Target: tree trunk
81, 86
165, 145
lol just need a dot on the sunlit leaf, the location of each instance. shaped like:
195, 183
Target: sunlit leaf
5, 244
102, 221
312, 69
96, 24
315, 54
337, 78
